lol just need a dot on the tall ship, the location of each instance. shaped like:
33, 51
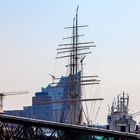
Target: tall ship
62, 100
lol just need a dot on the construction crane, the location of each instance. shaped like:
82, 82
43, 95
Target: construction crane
3, 94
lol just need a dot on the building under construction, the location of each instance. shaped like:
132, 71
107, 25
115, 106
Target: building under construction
45, 104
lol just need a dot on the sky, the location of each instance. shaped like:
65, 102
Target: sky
30, 32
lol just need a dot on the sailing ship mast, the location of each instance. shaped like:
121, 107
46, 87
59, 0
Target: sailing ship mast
76, 52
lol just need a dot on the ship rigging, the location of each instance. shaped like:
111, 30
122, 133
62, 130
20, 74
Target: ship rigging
76, 51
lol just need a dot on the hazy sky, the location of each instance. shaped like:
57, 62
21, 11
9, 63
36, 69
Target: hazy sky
30, 31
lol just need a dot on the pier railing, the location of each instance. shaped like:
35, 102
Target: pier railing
19, 128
